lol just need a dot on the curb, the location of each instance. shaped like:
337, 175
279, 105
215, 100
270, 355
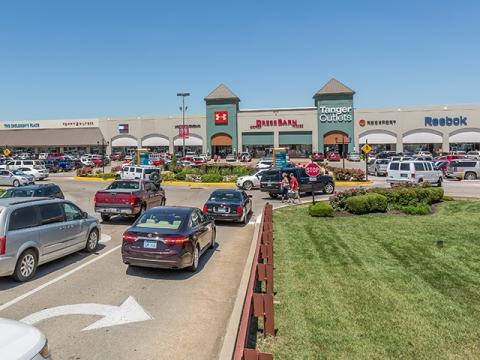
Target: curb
348, 183
190, 183
230, 338
82, 178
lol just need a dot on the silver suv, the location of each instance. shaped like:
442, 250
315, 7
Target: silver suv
378, 167
36, 231
464, 169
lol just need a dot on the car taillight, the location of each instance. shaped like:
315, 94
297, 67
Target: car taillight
412, 175
132, 200
95, 199
175, 240
239, 210
205, 208
129, 236
3, 244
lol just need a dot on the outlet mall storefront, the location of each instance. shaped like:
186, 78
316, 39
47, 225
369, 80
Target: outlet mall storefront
331, 124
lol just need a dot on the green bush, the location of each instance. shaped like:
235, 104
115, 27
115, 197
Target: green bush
168, 176
410, 195
180, 176
448, 198
211, 178
364, 204
418, 209
339, 199
321, 209
240, 171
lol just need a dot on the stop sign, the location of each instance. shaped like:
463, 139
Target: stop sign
312, 170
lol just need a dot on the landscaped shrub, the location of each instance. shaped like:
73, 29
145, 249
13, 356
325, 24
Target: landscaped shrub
211, 178
193, 178
341, 174
339, 199
368, 203
321, 209
84, 171
410, 195
116, 168
229, 178
418, 209
180, 176
240, 171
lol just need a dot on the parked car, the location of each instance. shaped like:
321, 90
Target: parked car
8, 178
353, 156
144, 172
30, 178
377, 167
42, 156
52, 165
271, 180
230, 205
318, 156
413, 172
230, 158
264, 164
42, 190
333, 156
386, 154
464, 169
169, 237
117, 156
128, 198
206, 156
245, 157
423, 158
22, 341
198, 160
38, 174
249, 182
441, 165
474, 154
36, 231
186, 163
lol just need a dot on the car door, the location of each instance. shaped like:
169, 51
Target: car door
202, 228
51, 232
157, 194
75, 225
248, 202
5, 177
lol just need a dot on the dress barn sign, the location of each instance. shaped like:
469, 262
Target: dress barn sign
260, 123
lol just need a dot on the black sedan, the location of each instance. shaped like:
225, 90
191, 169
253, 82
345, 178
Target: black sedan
168, 238
229, 204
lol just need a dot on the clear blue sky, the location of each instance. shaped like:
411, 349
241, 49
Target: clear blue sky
84, 58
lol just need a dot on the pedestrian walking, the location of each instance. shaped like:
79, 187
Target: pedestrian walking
284, 187
294, 189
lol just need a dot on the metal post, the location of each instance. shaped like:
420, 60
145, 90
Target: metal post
366, 163
183, 123
103, 155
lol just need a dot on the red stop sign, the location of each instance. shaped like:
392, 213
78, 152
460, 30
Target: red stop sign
312, 170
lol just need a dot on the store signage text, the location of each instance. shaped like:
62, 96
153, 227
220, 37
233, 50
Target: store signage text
78, 123
191, 126
21, 125
259, 123
363, 122
335, 114
446, 121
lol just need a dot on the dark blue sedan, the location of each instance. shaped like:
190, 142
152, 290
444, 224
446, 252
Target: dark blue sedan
229, 204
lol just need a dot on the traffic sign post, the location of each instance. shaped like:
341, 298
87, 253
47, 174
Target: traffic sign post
366, 149
312, 170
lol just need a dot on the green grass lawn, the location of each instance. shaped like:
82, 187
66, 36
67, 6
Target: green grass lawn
377, 286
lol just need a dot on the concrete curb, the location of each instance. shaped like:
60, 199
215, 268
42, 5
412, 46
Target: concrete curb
349, 183
230, 338
82, 178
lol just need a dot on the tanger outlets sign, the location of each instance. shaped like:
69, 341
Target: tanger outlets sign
21, 125
446, 121
259, 123
335, 114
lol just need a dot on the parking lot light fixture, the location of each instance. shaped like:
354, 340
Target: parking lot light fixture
183, 109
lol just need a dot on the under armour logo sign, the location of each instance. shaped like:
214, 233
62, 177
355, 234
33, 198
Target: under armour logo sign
221, 117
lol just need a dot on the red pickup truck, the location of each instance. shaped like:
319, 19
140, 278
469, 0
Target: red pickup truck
128, 198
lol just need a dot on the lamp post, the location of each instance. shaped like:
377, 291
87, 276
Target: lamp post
183, 109
343, 147
103, 144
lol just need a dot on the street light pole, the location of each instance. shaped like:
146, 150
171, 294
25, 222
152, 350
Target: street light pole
103, 153
183, 108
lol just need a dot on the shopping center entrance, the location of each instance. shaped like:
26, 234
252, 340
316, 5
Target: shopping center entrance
221, 144
336, 141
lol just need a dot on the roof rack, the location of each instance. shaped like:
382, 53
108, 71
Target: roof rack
27, 200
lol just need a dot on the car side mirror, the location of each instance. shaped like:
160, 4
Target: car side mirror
84, 214
250, 196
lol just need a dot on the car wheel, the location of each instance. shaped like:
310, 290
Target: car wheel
214, 239
376, 173
470, 176
164, 201
92, 241
26, 266
105, 217
439, 182
329, 188
245, 217
248, 185
273, 196
16, 183
196, 256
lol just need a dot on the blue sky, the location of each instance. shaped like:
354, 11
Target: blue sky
68, 59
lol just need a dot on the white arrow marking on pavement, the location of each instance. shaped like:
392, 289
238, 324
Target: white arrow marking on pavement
104, 238
129, 311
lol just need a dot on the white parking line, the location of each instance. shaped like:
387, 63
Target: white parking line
105, 238
53, 281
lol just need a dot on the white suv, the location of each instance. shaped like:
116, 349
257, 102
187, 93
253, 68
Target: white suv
414, 172
250, 181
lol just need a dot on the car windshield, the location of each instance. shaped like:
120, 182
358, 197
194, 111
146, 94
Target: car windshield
162, 219
130, 185
224, 196
10, 193
18, 172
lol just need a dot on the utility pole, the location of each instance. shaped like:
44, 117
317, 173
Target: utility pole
183, 109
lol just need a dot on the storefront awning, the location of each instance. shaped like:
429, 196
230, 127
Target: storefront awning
155, 141
466, 137
263, 138
378, 138
51, 137
295, 138
422, 138
124, 141
190, 141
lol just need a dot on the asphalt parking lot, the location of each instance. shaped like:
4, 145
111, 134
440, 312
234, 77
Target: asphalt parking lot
183, 315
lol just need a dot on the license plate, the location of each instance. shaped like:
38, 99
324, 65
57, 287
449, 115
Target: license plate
111, 210
147, 244
221, 210
404, 175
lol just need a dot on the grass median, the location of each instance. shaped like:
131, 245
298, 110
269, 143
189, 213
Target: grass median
377, 286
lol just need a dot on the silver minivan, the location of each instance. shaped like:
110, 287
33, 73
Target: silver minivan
34, 231
414, 172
